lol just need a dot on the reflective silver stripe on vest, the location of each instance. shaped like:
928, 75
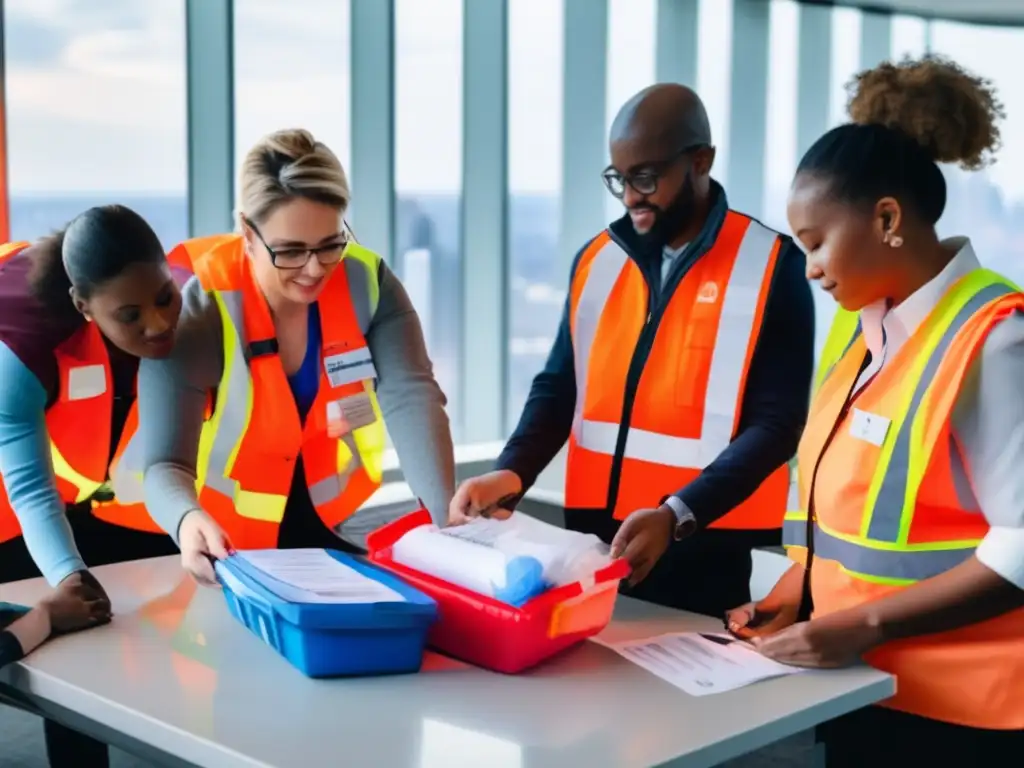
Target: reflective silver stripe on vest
605, 269
234, 396
359, 289
892, 496
330, 488
722, 398
794, 532
907, 564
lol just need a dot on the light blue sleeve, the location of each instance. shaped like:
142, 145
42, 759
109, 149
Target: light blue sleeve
28, 471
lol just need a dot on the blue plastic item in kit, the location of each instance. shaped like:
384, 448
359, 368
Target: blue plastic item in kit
332, 639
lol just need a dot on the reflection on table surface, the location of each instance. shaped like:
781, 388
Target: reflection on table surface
178, 662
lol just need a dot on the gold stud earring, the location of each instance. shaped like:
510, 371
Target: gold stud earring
895, 241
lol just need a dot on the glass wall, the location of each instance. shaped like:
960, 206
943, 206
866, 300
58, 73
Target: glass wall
781, 140
631, 52
95, 109
537, 277
988, 205
96, 112
909, 36
292, 71
714, 73
428, 176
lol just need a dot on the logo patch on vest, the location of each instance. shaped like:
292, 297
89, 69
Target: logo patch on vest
708, 293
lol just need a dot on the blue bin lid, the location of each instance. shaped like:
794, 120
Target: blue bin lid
250, 583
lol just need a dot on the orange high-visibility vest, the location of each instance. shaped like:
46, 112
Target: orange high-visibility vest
885, 512
79, 426
253, 437
645, 428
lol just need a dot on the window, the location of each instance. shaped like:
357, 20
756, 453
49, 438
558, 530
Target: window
781, 156
909, 36
988, 205
428, 171
714, 73
539, 279
631, 63
96, 112
846, 23
292, 71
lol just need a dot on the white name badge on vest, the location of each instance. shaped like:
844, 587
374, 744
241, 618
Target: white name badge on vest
869, 427
349, 413
346, 367
86, 381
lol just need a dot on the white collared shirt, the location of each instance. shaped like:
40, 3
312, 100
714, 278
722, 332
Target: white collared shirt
988, 419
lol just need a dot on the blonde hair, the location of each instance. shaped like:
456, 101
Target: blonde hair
286, 165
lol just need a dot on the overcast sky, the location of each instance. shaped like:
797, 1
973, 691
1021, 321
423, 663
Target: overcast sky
96, 88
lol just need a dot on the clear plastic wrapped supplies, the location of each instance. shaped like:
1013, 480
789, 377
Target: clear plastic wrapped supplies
510, 560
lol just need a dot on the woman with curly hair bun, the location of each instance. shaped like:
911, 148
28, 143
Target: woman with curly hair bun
909, 551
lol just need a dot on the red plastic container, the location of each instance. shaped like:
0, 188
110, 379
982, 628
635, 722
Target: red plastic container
492, 634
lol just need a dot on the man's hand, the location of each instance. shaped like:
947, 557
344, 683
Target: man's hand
479, 495
643, 538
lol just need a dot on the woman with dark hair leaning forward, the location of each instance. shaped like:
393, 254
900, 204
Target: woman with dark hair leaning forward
909, 550
77, 311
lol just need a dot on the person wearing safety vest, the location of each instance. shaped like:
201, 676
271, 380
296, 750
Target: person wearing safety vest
266, 425
77, 311
679, 376
909, 546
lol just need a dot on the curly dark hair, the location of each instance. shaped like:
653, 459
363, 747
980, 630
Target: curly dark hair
906, 117
951, 113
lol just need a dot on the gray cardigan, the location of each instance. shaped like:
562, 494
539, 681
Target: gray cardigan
172, 399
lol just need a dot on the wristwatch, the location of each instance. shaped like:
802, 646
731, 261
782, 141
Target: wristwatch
686, 523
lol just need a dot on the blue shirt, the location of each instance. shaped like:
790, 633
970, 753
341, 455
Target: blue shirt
10, 648
28, 471
305, 382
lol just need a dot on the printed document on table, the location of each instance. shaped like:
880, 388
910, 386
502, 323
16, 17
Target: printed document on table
313, 576
701, 663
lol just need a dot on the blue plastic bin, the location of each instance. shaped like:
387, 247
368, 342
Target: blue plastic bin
327, 639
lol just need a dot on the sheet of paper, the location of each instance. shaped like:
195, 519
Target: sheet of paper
313, 576
479, 531
701, 663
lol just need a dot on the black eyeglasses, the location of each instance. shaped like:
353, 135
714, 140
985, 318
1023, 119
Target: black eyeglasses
645, 181
290, 257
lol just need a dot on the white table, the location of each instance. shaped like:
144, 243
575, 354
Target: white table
176, 680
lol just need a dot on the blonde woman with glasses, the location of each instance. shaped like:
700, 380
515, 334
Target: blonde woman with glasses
266, 425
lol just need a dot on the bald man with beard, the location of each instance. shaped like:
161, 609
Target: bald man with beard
680, 374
